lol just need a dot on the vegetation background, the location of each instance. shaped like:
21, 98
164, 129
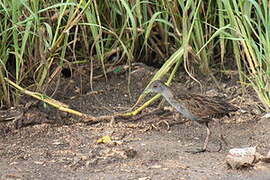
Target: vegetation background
38, 39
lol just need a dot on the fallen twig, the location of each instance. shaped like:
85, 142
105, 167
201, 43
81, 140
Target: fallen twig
64, 107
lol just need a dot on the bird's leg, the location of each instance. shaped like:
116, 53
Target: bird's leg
207, 137
220, 134
205, 141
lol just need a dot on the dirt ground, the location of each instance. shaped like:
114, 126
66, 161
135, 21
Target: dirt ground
48, 144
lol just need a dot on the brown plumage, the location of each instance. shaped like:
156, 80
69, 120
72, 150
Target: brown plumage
199, 108
205, 107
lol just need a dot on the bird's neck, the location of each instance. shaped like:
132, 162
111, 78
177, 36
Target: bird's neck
168, 94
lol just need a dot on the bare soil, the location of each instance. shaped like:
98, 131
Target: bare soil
48, 144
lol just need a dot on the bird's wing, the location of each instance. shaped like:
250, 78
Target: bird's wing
206, 107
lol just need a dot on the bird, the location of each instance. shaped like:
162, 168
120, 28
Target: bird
199, 108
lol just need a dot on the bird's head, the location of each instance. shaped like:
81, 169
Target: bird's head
156, 87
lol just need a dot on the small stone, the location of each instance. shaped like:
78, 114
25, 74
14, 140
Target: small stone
130, 153
267, 115
266, 159
156, 166
144, 178
242, 157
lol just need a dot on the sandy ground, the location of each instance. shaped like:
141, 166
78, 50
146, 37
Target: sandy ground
49, 144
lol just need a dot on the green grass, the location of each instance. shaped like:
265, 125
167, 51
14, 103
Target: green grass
250, 22
39, 38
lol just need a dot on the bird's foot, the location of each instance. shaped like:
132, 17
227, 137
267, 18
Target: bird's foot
200, 150
221, 142
220, 146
